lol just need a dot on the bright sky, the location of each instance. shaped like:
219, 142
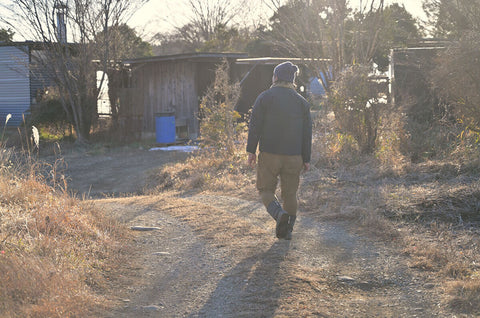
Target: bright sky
162, 15
412, 6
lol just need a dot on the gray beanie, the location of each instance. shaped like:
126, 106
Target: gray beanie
286, 71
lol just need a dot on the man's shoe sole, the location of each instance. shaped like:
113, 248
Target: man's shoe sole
282, 226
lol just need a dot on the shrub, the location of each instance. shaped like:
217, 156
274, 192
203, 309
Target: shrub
355, 100
220, 126
49, 112
456, 77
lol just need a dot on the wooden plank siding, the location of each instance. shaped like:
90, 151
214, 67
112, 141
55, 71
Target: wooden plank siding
173, 83
167, 86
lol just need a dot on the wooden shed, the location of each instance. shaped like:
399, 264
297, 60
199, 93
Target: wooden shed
170, 84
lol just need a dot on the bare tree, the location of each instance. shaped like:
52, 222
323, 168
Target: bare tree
321, 29
301, 29
212, 25
86, 24
452, 18
207, 16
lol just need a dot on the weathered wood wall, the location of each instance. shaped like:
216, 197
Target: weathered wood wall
171, 83
167, 86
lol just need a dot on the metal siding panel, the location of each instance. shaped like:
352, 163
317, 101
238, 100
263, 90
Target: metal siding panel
14, 84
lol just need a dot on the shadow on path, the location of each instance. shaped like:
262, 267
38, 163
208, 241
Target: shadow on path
250, 288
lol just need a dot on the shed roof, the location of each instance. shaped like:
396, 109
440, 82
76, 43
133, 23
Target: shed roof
195, 57
23, 43
37, 45
277, 60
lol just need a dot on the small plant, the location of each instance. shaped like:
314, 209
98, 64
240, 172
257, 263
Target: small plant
220, 126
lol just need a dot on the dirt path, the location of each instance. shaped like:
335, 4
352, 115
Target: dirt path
122, 171
216, 256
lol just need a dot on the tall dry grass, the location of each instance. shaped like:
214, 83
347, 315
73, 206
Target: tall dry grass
56, 251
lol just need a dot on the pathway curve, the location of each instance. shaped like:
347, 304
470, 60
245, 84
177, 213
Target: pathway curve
216, 256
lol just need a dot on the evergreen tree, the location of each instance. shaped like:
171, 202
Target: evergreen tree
6, 35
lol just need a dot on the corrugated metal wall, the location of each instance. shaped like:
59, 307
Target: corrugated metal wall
14, 84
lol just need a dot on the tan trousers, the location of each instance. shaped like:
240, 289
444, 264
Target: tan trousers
288, 168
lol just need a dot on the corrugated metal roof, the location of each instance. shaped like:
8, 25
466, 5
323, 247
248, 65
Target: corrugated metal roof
196, 57
14, 83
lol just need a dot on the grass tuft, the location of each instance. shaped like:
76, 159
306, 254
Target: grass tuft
465, 296
206, 171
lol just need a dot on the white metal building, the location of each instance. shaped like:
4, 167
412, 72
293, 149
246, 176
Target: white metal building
15, 96
21, 78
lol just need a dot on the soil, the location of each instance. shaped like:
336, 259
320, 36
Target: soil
215, 255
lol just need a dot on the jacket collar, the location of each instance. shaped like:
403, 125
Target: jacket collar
283, 84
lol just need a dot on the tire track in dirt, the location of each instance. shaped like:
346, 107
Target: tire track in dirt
204, 272
223, 261
162, 279
329, 270
216, 256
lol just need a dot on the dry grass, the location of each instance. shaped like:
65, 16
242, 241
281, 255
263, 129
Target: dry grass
206, 171
430, 209
55, 250
465, 296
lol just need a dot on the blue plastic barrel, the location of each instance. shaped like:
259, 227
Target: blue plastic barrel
165, 127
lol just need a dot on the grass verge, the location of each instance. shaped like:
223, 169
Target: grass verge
56, 251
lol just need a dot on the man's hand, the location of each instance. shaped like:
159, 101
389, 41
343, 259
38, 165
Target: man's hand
306, 166
252, 160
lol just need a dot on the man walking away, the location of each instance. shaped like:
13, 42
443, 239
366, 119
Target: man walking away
281, 127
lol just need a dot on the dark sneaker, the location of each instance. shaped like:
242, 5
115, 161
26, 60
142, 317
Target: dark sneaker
282, 225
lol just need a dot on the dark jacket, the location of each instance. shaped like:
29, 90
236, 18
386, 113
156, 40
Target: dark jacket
281, 123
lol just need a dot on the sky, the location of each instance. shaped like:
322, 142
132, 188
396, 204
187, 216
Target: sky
412, 6
162, 15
